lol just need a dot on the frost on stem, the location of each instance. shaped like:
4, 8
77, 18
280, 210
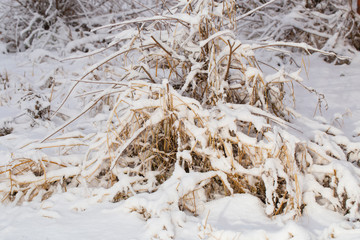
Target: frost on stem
192, 118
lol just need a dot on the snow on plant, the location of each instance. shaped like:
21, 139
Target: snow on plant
54, 24
17, 90
192, 118
328, 25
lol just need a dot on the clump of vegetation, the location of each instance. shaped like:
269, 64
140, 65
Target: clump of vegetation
53, 24
5, 129
37, 106
328, 25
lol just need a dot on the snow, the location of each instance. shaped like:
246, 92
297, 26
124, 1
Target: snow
340, 85
56, 220
236, 217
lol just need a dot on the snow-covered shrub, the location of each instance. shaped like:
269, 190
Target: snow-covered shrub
5, 128
191, 118
52, 24
330, 25
30, 105
36, 106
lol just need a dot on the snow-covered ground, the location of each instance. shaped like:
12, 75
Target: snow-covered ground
66, 216
341, 87
71, 215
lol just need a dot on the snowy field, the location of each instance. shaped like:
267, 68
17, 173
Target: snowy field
160, 121
236, 217
72, 215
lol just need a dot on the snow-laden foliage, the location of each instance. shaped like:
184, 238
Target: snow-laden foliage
56, 24
330, 25
190, 118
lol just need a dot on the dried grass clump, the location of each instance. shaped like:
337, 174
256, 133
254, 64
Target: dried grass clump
33, 175
147, 139
192, 118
